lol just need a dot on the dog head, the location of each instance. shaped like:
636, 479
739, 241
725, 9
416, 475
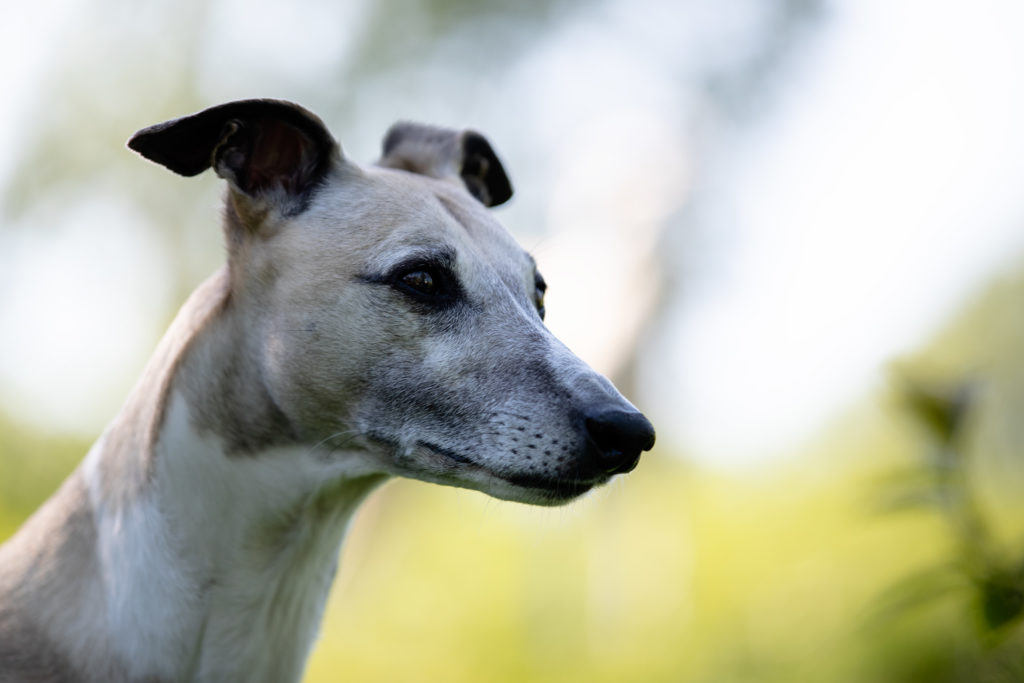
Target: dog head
390, 315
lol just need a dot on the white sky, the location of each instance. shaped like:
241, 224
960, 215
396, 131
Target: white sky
884, 190
879, 191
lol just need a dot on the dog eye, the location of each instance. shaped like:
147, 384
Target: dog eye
421, 281
434, 285
429, 282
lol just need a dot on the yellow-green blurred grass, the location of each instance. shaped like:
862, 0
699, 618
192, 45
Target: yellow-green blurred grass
796, 572
32, 465
670, 574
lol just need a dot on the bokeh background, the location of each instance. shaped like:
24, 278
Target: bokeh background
791, 230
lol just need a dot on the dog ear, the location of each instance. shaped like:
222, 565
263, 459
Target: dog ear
261, 147
448, 155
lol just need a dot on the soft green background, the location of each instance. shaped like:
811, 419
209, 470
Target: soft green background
888, 548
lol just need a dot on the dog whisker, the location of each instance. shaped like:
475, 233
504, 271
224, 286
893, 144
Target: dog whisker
351, 434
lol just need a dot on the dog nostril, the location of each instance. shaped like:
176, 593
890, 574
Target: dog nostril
619, 437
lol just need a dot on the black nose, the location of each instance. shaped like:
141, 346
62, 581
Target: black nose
618, 437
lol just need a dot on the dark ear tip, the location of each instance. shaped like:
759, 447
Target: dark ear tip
137, 142
150, 143
499, 187
501, 191
141, 143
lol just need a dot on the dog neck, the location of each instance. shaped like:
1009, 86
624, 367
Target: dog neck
215, 562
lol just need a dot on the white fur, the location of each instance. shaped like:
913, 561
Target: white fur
234, 601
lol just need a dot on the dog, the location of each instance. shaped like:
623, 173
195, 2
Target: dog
370, 322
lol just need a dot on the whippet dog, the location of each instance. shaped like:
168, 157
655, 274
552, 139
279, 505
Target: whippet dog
370, 322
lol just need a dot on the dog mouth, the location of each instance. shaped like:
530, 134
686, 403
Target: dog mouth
542, 489
557, 490
448, 453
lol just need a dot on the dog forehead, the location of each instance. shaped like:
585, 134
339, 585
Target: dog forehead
382, 213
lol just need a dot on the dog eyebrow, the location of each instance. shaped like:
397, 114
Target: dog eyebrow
440, 256
425, 250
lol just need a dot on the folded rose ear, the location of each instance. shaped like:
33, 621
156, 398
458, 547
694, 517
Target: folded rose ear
269, 150
459, 156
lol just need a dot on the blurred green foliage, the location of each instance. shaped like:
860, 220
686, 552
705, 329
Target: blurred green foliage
32, 465
891, 549
985, 576
789, 573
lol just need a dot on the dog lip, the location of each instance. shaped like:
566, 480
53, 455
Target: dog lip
555, 489
558, 489
452, 455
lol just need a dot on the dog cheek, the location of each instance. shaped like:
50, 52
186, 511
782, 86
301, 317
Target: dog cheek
319, 354
409, 403
311, 384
